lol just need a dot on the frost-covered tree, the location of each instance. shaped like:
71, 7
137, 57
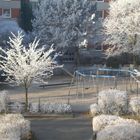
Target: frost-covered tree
122, 26
64, 23
6, 27
22, 65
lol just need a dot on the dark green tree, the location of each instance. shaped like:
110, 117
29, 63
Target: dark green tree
26, 16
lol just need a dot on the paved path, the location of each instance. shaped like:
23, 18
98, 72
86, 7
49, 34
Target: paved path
62, 129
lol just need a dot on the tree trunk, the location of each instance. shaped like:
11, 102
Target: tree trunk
134, 60
77, 57
26, 99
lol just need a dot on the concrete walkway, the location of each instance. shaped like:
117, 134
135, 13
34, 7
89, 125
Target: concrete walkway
78, 128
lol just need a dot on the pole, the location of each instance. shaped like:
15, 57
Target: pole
137, 88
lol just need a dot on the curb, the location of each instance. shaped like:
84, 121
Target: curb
48, 116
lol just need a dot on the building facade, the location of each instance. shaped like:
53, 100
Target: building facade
102, 7
9, 9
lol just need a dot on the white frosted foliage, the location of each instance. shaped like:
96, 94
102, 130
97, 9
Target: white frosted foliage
55, 108
122, 26
113, 101
134, 105
34, 107
23, 64
7, 26
50, 108
17, 107
124, 131
4, 99
64, 23
14, 127
94, 109
100, 122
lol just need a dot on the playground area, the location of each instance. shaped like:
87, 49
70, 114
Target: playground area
83, 87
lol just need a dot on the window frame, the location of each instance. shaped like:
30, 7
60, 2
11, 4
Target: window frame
3, 13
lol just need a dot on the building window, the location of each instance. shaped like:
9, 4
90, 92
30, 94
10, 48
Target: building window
6, 13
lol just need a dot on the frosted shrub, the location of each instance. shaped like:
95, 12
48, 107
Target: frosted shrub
113, 101
94, 109
100, 122
14, 127
103, 121
17, 107
9, 132
34, 107
50, 108
134, 105
3, 101
122, 131
55, 108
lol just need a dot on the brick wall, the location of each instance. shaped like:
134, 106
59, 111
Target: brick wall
15, 12
12, 6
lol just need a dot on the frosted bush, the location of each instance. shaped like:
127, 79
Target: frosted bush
134, 105
50, 108
100, 122
17, 107
94, 109
103, 121
55, 108
113, 101
9, 132
34, 107
4, 99
14, 127
121, 131
8, 26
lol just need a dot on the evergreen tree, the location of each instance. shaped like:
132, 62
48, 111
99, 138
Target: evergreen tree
26, 16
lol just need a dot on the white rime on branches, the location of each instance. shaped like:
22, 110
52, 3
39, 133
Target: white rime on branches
110, 127
64, 23
113, 102
120, 132
4, 99
134, 105
122, 26
24, 64
14, 127
94, 109
101, 121
50, 108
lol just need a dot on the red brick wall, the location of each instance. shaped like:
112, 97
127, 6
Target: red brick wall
15, 13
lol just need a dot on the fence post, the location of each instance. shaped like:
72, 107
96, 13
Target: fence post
115, 82
97, 86
137, 88
39, 104
130, 81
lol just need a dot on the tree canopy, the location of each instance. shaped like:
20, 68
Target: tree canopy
64, 23
122, 26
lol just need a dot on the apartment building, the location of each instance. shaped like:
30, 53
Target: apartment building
9, 9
